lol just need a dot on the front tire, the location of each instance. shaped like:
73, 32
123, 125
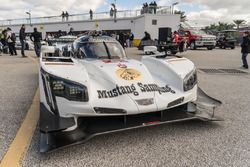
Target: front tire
192, 45
210, 48
168, 52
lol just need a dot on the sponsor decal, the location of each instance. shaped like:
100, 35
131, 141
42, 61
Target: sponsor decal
129, 74
122, 65
106, 61
132, 89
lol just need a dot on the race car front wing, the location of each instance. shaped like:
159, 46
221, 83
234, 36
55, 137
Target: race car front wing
54, 134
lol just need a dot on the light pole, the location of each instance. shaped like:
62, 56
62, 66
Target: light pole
28, 13
174, 4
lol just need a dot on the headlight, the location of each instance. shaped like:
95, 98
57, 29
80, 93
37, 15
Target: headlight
190, 80
70, 90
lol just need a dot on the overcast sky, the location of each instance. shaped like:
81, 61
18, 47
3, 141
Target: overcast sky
199, 12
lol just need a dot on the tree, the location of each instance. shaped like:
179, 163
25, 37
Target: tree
238, 23
220, 26
183, 16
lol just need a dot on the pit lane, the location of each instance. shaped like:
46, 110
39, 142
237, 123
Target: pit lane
192, 143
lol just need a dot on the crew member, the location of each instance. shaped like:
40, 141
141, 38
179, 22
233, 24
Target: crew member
36, 37
71, 31
245, 45
11, 40
146, 37
91, 14
22, 38
176, 37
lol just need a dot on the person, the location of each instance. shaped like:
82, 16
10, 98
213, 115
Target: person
1, 44
11, 40
146, 37
245, 49
151, 8
176, 37
59, 34
67, 16
131, 39
71, 31
155, 7
91, 14
63, 15
22, 38
146, 7
122, 39
4, 41
111, 13
36, 37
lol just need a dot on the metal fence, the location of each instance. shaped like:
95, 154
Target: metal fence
82, 17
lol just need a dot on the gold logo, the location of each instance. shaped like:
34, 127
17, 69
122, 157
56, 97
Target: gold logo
128, 74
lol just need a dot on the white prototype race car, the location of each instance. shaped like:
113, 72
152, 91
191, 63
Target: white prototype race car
98, 90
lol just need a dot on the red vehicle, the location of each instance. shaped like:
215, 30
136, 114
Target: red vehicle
198, 38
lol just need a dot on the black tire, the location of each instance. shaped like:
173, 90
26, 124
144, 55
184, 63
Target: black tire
232, 47
168, 52
192, 45
210, 48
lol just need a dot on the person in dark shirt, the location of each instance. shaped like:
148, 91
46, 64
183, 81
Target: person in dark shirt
36, 38
71, 31
245, 49
146, 37
22, 37
67, 16
63, 15
91, 14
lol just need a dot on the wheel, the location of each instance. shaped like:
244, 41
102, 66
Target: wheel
232, 47
210, 48
192, 45
168, 52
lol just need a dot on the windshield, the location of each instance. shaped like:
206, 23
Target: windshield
198, 32
102, 50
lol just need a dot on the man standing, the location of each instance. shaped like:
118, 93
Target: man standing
71, 31
67, 16
22, 37
36, 37
131, 39
245, 49
91, 14
11, 40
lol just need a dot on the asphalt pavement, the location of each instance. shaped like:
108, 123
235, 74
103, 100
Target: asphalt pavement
18, 82
185, 144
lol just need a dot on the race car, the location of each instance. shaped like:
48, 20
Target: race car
98, 90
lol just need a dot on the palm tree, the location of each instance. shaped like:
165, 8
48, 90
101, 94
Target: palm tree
239, 22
